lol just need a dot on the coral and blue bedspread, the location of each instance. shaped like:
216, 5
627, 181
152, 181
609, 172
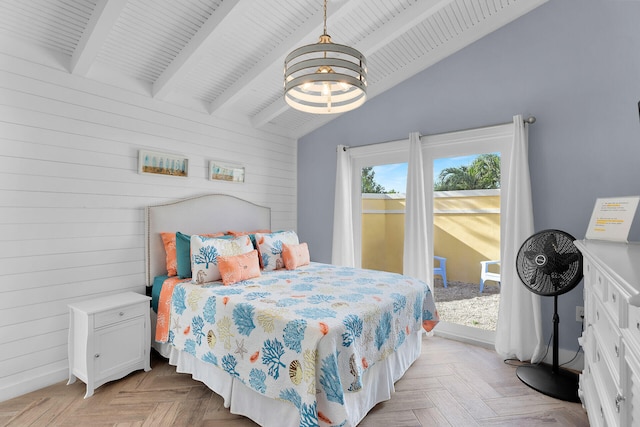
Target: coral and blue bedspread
301, 335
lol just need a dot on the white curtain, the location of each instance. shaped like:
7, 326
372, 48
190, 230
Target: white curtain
519, 328
416, 259
342, 252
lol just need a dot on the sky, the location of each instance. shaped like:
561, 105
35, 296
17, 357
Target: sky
394, 177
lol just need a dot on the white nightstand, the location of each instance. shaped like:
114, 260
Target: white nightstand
109, 337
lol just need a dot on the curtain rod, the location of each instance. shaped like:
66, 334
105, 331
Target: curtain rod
529, 120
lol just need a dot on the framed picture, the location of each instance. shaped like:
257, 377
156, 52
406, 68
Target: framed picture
167, 164
222, 171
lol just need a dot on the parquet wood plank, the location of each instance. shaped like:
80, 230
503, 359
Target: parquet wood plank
466, 397
431, 417
455, 413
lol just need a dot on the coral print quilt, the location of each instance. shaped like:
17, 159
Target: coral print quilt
302, 335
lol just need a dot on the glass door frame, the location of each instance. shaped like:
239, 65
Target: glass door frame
384, 153
489, 139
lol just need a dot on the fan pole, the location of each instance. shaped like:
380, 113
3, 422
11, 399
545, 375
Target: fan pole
555, 382
556, 320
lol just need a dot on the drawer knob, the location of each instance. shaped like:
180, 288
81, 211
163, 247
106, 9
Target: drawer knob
619, 400
638, 326
613, 297
97, 355
121, 313
615, 347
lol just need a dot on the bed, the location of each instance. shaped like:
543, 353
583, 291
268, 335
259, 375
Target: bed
315, 345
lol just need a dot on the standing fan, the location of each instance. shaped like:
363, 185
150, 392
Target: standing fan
549, 264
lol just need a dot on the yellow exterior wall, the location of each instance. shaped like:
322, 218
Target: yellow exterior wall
383, 233
466, 231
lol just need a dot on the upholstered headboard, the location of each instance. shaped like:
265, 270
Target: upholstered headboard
203, 214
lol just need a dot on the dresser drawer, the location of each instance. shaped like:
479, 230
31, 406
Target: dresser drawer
606, 387
589, 308
589, 395
613, 302
597, 279
632, 392
609, 341
109, 317
633, 328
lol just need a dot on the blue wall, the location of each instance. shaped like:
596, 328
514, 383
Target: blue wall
573, 64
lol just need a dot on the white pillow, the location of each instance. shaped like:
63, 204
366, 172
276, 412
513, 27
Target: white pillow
270, 248
205, 251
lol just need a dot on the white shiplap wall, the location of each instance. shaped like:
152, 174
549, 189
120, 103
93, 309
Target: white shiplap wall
72, 202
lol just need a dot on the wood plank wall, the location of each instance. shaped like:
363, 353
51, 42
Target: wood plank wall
72, 202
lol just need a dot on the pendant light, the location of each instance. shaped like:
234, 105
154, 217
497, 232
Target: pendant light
325, 78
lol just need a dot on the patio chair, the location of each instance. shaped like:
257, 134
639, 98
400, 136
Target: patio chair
441, 269
485, 274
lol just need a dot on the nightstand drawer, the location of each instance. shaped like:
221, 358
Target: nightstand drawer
120, 314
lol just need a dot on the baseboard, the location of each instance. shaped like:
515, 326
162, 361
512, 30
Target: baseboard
475, 336
21, 385
486, 339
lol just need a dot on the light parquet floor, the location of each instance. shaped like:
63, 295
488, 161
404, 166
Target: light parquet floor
451, 384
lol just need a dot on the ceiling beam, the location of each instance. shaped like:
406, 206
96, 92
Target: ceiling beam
400, 24
195, 49
102, 19
311, 29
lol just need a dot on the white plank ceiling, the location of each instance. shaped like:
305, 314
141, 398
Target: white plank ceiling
225, 57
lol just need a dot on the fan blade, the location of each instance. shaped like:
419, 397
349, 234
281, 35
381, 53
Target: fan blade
561, 262
550, 244
531, 255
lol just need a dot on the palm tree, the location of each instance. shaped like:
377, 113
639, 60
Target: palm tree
482, 173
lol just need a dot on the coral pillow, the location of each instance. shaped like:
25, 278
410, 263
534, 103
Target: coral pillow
169, 240
183, 252
239, 267
295, 256
251, 234
206, 251
270, 248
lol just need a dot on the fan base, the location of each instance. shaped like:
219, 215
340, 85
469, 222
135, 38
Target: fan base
561, 385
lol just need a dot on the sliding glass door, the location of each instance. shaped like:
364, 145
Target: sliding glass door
467, 172
465, 175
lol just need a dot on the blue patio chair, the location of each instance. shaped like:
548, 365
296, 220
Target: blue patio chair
441, 269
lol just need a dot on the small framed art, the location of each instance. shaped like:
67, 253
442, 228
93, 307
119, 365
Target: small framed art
156, 163
222, 171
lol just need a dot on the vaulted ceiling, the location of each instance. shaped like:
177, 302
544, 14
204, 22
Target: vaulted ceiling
225, 57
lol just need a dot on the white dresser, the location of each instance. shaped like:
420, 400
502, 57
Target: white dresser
610, 382
109, 337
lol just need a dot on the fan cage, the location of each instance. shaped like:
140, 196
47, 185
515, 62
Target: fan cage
549, 263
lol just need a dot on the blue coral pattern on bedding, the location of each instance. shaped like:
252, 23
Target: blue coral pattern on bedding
293, 334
